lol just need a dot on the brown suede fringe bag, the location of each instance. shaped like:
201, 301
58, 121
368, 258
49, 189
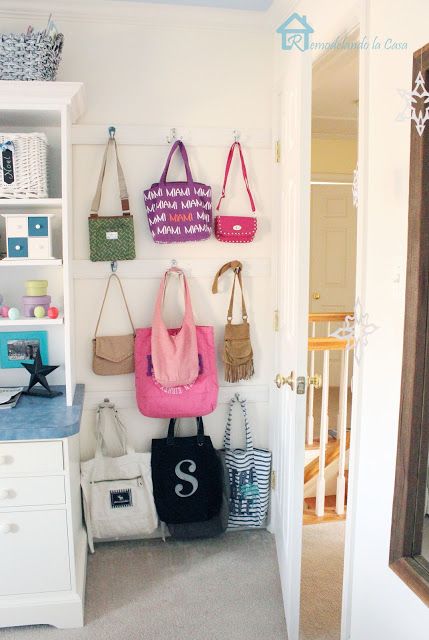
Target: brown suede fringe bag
237, 353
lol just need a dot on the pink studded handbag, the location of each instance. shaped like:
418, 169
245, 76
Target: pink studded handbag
237, 229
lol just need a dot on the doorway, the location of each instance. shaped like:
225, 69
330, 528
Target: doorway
332, 273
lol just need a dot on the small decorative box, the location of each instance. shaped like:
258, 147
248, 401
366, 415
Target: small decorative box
31, 302
28, 236
36, 287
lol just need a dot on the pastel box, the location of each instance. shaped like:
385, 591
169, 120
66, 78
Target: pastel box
36, 287
31, 302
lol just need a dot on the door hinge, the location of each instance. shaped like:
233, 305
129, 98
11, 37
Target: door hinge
276, 320
277, 151
273, 479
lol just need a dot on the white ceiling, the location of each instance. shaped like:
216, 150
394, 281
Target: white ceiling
248, 5
335, 93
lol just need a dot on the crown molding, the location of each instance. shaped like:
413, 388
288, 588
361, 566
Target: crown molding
134, 14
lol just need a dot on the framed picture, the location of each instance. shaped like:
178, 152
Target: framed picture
21, 346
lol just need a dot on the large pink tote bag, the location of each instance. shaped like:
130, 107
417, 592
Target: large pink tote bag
156, 400
174, 353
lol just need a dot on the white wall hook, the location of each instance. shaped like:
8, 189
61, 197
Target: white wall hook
172, 136
236, 134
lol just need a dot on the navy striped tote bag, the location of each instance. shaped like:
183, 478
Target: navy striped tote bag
249, 473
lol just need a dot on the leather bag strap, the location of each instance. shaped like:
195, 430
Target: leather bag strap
113, 275
237, 267
244, 171
123, 193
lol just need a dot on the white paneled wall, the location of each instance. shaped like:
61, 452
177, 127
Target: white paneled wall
207, 80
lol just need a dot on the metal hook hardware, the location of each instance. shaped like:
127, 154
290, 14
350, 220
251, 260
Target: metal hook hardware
236, 135
114, 266
112, 131
172, 137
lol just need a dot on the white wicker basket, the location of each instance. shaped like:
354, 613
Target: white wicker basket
29, 159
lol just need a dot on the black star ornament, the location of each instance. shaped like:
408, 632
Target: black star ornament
38, 372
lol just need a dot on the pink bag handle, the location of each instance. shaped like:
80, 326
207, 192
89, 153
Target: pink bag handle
243, 167
174, 355
189, 316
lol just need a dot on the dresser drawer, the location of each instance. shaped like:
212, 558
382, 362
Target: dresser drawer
29, 492
17, 226
31, 457
17, 247
38, 226
34, 552
39, 248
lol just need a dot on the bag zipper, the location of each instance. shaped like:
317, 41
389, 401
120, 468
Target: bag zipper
140, 478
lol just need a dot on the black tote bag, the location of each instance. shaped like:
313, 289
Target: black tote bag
186, 476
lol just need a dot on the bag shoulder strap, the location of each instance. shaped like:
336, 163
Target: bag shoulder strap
123, 193
200, 431
227, 435
177, 145
237, 267
188, 317
113, 275
244, 171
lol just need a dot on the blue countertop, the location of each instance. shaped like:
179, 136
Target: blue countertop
42, 418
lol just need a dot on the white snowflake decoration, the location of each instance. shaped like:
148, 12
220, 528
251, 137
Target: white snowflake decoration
355, 191
418, 94
355, 331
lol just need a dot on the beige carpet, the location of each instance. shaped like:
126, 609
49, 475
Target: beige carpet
222, 589
226, 588
321, 584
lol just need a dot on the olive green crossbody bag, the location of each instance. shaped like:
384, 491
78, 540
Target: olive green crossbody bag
111, 237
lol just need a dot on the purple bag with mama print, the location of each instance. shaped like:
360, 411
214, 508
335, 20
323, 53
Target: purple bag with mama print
179, 211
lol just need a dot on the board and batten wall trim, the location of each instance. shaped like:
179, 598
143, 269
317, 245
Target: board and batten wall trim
198, 267
146, 135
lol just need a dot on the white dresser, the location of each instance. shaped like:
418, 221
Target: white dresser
43, 544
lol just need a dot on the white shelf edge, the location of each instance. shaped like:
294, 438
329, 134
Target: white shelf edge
16, 203
30, 322
31, 263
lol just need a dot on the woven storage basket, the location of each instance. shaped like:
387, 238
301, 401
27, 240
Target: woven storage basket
33, 56
29, 160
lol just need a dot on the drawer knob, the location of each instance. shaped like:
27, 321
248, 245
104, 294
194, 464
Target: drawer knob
38, 226
6, 527
17, 247
6, 459
4, 494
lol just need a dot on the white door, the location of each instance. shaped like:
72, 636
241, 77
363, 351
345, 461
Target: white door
333, 249
293, 236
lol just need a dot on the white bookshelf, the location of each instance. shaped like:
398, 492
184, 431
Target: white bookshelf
34, 323
30, 203
16, 262
52, 107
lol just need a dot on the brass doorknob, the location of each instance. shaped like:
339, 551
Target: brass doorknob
280, 380
316, 295
315, 380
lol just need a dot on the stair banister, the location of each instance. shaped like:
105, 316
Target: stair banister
342, 434
321, 484
310, 417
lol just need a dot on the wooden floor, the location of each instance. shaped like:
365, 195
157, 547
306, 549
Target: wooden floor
309, 515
